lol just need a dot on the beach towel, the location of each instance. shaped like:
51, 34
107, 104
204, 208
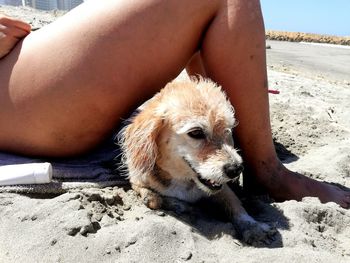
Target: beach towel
97, 169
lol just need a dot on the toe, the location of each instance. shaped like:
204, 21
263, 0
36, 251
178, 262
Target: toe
346, 201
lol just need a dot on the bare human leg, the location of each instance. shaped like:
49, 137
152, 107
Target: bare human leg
239, 65
82, 79
66, 86
195, 66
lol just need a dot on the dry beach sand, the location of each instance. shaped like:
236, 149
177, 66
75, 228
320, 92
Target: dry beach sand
311, 126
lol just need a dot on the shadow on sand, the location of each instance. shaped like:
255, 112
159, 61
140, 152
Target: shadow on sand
208, 220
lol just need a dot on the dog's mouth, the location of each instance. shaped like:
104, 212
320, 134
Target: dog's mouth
209, 183
214, 186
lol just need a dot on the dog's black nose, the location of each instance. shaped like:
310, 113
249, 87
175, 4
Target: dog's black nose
233, 170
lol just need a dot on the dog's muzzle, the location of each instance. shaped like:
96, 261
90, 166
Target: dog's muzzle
212, 185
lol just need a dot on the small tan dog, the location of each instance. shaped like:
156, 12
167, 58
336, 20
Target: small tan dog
180, 145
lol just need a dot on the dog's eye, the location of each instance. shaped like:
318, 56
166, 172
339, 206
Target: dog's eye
229, 131
197, 134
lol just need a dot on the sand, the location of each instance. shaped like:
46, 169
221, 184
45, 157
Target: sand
311, 127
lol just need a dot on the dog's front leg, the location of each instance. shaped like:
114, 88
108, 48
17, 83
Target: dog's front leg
149, 197
155, 201
250, 231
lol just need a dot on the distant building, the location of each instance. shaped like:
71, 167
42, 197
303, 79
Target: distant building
68, 4
27, 2
11, 2
44, 4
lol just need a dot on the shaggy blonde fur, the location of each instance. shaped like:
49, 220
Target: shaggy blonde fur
180, 145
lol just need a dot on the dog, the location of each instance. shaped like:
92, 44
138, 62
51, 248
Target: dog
180, 145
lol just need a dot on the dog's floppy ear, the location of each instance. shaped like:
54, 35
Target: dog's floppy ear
138, 141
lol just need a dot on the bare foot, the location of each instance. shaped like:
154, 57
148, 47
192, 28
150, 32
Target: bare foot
282, 184
11, 31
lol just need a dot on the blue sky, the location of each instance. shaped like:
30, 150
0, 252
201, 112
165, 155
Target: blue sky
330, 17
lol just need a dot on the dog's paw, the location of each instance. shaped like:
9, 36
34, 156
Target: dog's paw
256, 233
152, 200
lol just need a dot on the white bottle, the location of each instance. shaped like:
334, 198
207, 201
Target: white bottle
31, 173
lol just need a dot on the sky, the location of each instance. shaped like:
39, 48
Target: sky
331, 17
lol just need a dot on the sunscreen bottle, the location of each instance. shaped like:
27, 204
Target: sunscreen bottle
30, 173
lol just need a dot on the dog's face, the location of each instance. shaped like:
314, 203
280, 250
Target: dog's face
190, 137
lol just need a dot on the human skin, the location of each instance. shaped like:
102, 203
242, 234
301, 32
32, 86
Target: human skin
11, 31
66, 86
